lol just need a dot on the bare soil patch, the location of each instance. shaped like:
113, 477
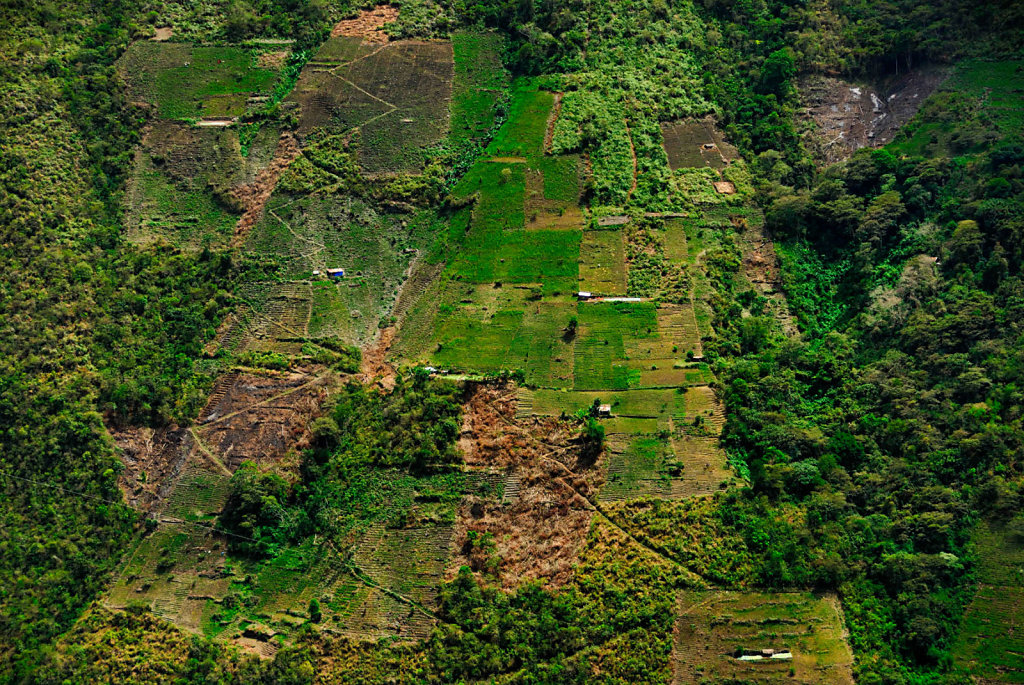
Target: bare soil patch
368, 25
695, 143
162, 33
253, 196
259, 417
725, 187
542, 521
855, 115
375, 367
153, 459
272, 60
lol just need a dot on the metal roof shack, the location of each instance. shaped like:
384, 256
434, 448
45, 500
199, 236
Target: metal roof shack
336, 273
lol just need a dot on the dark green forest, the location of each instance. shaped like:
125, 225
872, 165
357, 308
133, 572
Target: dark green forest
891, 425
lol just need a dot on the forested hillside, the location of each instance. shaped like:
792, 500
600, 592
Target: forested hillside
511, 341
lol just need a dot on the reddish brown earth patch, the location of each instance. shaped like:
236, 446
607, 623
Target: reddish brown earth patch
253, 197
542, 521
367, 25
375, 367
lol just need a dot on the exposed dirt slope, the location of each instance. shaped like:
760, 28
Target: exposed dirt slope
541, 522
851, 116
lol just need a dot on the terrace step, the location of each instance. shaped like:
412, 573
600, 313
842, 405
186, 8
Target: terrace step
524, 403
512, 487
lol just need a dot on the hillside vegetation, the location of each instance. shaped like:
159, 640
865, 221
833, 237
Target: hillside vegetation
787, 414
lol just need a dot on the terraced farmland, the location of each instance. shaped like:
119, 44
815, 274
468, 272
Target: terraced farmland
992, 629
714, 629
396, 95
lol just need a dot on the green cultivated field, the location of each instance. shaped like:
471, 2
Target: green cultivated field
713, 628
188, 82
992, 629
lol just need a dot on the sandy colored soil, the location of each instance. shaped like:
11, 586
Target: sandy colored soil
272, 60
367, 25
254, 196
542, 520
375, 367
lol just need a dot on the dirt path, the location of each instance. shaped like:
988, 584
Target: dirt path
549, 133
208, 453
254, 405
254, 196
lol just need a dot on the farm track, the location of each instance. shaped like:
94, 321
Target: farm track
549, 131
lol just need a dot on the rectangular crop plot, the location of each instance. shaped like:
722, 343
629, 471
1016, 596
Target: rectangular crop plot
180, 188
397, 95
542, 346
694, 144
191, 82
675, 241
714, 628
637, 467
468, 343
638, 404
545, 258
600, 352
991, 636
603, 263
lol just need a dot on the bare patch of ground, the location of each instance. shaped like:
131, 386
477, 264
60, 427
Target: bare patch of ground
272, 60
153, 458
541, 522
375, 367
696, 143
259, 417
368, 25
725, 187
254, 196
851, 115
162, 33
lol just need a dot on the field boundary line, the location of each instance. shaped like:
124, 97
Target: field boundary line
209, 453
315, 379
364, 92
